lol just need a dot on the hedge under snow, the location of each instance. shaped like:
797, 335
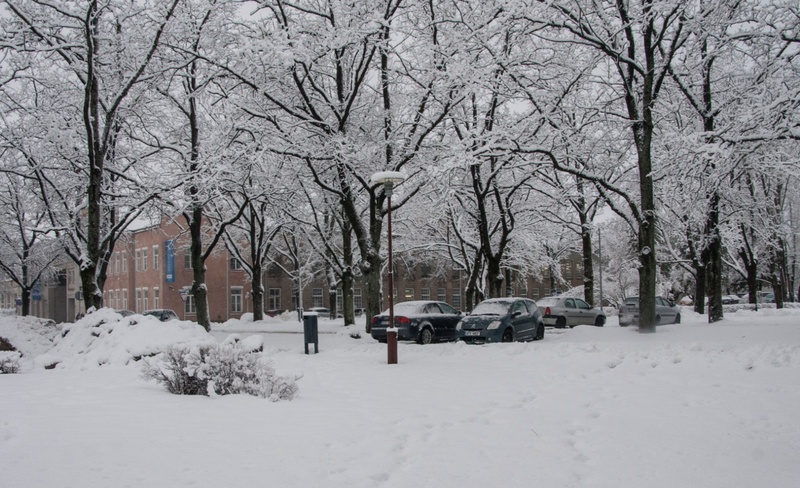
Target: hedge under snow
220, 369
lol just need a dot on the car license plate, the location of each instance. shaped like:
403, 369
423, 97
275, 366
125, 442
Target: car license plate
473, 332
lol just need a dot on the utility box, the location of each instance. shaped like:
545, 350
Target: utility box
310, 331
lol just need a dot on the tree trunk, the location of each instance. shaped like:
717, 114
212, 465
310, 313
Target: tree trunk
714, 268
199, 289
26, 301
494, 276
588, 267
348, 280
372, 287
258, 291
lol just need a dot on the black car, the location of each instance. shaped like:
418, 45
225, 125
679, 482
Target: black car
162, 314
421, 321
502, 320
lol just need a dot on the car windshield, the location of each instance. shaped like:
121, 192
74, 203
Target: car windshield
492, 308
406, 308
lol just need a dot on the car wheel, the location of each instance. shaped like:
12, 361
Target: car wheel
539, 333
678, 319
425, 336
508, 335
561, 323
599, 322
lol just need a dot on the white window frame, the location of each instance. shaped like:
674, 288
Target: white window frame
237, 299
189, 306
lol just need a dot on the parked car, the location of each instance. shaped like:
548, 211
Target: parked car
666, 312
162, 314
321, 311
125, 313
730, 299
562, 312
502, 320
423, 321
274, 312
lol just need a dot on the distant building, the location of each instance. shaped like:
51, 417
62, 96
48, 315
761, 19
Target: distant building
150, 268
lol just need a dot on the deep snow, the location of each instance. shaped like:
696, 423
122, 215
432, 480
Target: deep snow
693, 405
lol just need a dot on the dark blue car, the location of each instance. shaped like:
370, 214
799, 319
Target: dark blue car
502, 320
421, 321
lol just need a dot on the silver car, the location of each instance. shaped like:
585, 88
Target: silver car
561, 312
666, 312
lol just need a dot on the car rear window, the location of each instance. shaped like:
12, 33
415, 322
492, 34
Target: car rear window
547, 302
632, 301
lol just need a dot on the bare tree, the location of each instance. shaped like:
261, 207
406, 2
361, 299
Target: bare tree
103, 50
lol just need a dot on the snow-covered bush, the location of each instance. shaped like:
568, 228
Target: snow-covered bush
220, 369
9, 362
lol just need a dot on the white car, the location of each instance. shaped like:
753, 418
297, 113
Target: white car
561, 312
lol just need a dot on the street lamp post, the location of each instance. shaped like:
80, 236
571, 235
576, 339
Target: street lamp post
388, 179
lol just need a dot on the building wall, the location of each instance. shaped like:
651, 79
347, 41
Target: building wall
138, 280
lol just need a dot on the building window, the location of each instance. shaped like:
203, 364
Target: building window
138, 264
187, 259
316, 297
339, 299
188, 305
274, 300
124, 260
116, 262
156, 298
441, 294
236, 299
426, 294
110, 298
566, 270
156, 258
116, 299
144, 259
357, 298
145, 299
408, 294
139, 300
535, 292
125, 298
236, 265
456, 298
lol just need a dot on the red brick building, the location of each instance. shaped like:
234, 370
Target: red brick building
150, 268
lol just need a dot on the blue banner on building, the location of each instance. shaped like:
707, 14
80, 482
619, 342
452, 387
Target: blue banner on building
169, 260
36, 291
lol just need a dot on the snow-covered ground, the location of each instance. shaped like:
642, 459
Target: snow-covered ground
693, 405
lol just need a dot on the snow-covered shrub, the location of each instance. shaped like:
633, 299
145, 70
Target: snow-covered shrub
5, 345
220, 369
9, 362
